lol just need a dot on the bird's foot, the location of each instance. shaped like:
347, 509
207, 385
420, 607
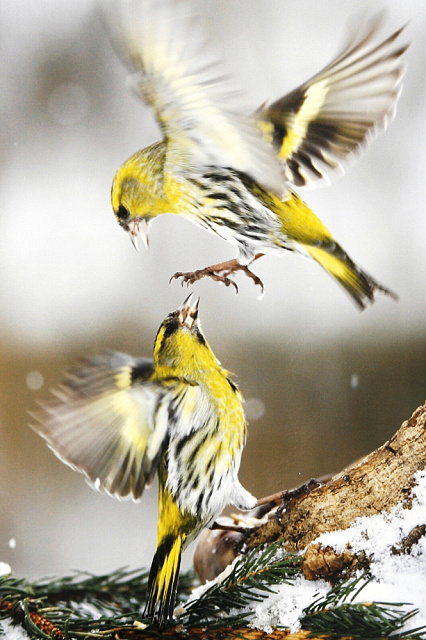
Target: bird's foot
296, 494
220, 273
282, 498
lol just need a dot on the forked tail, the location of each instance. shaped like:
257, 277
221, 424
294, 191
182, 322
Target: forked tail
361, 286
163, 579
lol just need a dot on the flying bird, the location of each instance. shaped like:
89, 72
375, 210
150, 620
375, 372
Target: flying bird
233, 171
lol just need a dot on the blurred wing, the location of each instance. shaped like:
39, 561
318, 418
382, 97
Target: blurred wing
199, 114
109, 422
316, 127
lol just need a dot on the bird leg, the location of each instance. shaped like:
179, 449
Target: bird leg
264, 505
281, 498
296, 494
228, 527
220, 273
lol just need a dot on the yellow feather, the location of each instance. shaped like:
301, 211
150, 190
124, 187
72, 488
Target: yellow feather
298, 125
119, 419
230, 172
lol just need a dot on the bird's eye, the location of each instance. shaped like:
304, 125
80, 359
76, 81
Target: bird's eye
122, 214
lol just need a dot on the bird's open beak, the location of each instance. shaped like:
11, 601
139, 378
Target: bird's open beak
138, 227
188, 312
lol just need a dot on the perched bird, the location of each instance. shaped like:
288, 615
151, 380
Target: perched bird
119, 420
232, 171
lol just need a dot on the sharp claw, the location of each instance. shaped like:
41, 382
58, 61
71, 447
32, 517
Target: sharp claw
234, 284
218, 273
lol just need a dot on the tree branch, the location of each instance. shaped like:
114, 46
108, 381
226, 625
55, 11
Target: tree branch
374, 484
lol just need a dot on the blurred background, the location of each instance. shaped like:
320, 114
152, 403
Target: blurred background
324, 384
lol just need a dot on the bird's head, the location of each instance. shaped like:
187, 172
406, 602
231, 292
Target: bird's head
180, 344
137, 195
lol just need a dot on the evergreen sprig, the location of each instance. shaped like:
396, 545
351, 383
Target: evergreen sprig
123, 588
251, 579
87, 606
337, 615
84, 604
80, 605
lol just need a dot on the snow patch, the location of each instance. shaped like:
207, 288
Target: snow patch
285, 607
12, 632
396, 578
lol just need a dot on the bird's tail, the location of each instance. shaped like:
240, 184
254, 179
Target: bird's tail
163, 579
303, 231
361, 286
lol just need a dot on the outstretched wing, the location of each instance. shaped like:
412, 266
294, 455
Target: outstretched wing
316, 127
109, 421
198, 111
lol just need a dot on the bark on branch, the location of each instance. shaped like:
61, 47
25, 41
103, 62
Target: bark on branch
374, 484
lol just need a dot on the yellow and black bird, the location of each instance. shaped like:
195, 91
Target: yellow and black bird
232, 171
120, 420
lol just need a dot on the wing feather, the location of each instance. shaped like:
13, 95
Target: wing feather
314, 130
319, 125
197, 108
106, 422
